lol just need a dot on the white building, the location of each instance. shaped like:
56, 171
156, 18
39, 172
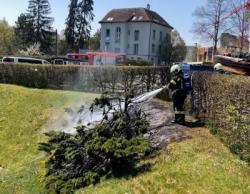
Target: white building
137, 33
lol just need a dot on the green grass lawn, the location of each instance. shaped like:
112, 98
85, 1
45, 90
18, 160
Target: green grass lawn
23, 112
200, 164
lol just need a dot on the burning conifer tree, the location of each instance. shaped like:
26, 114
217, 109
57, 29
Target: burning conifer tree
116, 143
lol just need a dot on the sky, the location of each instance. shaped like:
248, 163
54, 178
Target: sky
178, 13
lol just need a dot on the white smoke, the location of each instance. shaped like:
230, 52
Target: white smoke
90, 119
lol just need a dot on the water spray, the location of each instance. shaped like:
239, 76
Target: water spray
90, 119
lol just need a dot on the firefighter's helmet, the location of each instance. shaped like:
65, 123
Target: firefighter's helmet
175, 69
218, 67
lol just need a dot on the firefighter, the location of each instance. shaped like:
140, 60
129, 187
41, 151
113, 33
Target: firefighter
219, 68
179, 93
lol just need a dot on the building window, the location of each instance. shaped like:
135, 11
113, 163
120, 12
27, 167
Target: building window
159, 50
118, 34
110, 19
128, 46
107, 46
117, 50
160, 36
136, 49
153, 48
137, 35
128, 32
168, 37
134, 18
159, 61
152, 60
107, 33
154, 34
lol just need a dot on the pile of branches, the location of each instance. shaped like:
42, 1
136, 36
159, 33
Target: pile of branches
76, 161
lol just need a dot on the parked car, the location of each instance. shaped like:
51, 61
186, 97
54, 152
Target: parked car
24, 60
64, 61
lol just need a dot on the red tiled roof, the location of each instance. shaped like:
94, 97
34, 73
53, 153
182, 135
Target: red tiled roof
134, 15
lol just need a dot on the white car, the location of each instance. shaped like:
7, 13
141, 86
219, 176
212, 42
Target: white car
24, 60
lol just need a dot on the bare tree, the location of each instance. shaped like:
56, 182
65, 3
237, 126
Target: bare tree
179, 49
211, 22
239, 22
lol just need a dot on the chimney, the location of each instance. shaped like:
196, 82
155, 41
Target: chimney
148, 6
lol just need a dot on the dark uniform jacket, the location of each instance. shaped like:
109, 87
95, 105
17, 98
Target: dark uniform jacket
177, 86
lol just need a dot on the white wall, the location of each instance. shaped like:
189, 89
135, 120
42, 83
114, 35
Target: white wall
113, 44
145, 42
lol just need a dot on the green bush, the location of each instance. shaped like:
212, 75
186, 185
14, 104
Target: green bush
138, 63
115, 144
85, 78
224, 101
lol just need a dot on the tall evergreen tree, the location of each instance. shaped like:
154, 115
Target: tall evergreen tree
84, 18
78, 26
38, 11
70, 31
24, 31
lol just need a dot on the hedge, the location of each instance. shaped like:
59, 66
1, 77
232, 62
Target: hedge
85, 78
224, 102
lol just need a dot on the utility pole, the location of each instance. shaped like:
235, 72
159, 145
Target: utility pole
56, 43
196, 52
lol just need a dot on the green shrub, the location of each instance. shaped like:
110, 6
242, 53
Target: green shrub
138, 63
224, 101
85, 78
115, 144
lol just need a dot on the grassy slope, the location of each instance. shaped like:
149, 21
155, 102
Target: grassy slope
22, 113
197, 165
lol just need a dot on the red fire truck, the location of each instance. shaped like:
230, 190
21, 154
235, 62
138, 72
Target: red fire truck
98, 58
